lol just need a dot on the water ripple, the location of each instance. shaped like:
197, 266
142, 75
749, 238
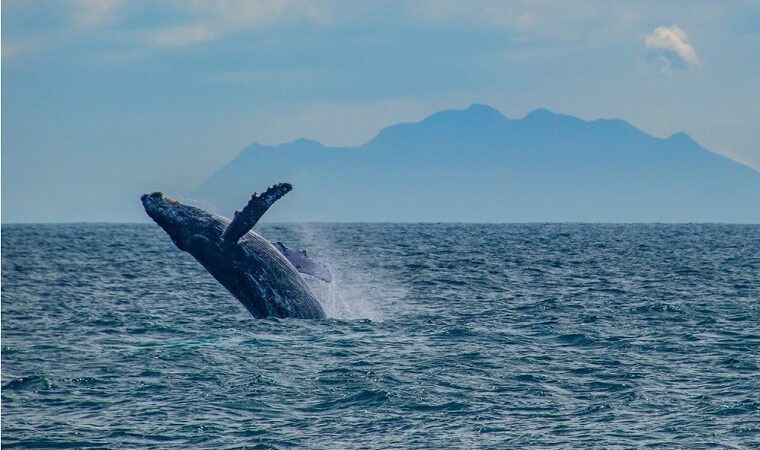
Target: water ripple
439, 336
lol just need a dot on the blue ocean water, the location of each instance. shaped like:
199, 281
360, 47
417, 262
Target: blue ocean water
439, 336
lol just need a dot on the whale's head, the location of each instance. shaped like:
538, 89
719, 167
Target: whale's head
181, 222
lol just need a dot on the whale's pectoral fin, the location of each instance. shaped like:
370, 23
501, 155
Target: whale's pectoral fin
303, 263
259, 204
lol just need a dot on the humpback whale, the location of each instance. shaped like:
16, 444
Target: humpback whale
263, 276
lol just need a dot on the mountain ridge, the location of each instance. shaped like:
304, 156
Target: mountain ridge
542, 167
540, 112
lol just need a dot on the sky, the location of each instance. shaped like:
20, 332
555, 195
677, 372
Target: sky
103, 100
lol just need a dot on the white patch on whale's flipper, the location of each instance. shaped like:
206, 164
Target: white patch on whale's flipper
303, 263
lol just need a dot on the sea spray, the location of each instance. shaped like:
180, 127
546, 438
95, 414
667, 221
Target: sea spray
355, 290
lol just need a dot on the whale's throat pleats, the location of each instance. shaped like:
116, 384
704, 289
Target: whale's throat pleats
259, 204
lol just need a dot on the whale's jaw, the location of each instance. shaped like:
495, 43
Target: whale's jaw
181, 222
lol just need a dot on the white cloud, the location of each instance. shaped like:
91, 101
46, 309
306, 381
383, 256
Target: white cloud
670, 47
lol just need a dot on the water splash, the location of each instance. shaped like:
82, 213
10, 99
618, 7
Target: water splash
355, 292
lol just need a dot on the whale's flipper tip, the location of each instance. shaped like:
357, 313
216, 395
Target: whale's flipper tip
259, 204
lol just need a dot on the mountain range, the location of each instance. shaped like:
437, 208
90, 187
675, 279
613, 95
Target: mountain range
476, 165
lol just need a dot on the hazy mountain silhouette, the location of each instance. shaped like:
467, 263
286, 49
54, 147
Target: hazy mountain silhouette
476, 165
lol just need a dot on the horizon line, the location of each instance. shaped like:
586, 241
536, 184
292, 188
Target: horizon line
404, 223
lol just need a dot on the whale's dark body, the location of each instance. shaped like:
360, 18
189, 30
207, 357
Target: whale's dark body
249, 266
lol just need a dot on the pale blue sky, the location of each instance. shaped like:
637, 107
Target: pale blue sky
104, 100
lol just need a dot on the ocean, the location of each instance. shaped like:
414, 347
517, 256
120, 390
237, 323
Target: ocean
438, 336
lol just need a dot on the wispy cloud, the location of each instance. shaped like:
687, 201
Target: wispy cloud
670, 47
180, 36
182, 23
528, 19
77, 17
185, 22
11, 49
211, 20
92, 13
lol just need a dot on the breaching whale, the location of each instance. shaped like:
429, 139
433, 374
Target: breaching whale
262, 275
